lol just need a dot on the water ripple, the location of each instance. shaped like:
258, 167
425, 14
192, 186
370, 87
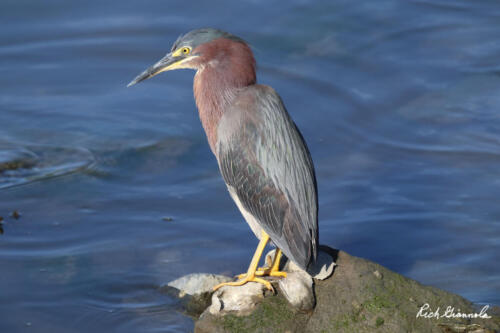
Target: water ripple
31, 163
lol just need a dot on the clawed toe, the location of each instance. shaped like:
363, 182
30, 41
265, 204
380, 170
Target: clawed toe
244, 280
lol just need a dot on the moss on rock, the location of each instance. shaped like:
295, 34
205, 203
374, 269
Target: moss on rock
361, 296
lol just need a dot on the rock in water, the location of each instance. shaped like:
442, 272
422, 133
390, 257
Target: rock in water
197, 283
297, 288
12, 159
361, 296
194, 291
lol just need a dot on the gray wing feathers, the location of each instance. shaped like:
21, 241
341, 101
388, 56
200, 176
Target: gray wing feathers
264, 158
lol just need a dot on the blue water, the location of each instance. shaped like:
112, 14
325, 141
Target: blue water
398, 100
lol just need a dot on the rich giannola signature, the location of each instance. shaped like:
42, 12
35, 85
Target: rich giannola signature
450, 312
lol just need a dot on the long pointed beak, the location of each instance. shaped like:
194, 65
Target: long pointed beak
166, 63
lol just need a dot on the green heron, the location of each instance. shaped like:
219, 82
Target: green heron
261, 154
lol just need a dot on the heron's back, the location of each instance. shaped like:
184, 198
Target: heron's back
267, 166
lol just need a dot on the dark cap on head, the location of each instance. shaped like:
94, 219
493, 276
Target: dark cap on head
198, 37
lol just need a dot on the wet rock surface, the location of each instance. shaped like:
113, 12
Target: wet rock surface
197, 283
20, 165
194, 291
16, 159
360, 296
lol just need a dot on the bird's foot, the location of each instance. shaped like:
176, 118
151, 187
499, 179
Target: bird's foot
265, 271
244, 278
272, 270
276, 273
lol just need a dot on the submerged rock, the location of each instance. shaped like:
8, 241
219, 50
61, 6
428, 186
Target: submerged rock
197, 283
361, 296
194, 291
12, 159
15, 214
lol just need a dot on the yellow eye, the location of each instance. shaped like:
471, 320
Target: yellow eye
185, 50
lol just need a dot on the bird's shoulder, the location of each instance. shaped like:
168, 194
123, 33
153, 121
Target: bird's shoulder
256, 98
255, 108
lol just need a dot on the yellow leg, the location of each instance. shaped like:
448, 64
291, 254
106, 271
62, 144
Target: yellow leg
273, 270
250, 275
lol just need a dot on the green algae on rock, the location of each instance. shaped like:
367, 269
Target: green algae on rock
361, 296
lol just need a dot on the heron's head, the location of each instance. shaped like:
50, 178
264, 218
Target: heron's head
201, 48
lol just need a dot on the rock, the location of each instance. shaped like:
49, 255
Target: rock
197, 283
15, 214
354, 299
12, 159
297, 288
239, 299
194, 291
322, 268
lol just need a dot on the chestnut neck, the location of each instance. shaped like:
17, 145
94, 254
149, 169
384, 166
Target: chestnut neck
225, 66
